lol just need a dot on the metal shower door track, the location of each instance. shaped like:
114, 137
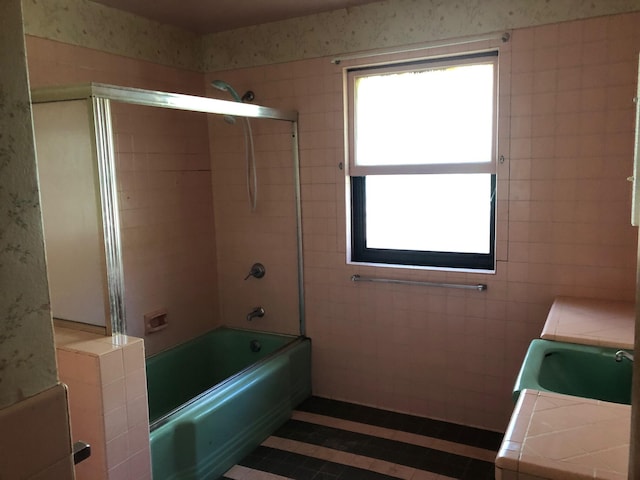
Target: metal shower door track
99, 95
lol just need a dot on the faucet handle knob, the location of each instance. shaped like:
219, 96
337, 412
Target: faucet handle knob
257, 271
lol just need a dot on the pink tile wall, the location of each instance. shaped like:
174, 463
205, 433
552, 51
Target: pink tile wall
163, 173
267, 235
107, 403
167, 225
564, 209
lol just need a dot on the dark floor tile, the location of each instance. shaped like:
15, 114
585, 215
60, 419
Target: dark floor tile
407, 423
352, 473
401, 453
301, 467
335, 469
314, 464
293, 466
324, 476
478, 470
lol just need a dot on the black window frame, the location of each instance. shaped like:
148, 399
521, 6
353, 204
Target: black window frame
458, 260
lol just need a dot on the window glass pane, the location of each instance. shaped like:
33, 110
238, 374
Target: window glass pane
441, 115
439, 213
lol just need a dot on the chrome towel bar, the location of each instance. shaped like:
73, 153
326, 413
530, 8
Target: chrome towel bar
479, 287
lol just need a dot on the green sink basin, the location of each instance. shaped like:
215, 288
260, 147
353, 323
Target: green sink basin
578, 370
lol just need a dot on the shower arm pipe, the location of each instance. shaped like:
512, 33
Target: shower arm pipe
504, 37
153, 98
479, 287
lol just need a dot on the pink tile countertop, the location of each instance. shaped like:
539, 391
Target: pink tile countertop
555, 436
91, 343
561, 437
591, 322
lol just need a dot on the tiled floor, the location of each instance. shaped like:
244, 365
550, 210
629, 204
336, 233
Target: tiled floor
331, 440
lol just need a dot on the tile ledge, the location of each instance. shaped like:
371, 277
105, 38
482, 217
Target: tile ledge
510, 455
564, 322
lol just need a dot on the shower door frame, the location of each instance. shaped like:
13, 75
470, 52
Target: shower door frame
99, 96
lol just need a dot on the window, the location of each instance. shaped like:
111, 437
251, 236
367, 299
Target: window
422, 162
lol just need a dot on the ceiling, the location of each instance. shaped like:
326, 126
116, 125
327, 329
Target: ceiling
209, 16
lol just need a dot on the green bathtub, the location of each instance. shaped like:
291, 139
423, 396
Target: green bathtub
215, 398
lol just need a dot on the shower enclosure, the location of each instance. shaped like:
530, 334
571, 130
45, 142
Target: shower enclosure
149, 172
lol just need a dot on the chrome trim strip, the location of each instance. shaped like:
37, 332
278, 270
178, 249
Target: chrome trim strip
105, 153
635, 179
153, 98
298, 200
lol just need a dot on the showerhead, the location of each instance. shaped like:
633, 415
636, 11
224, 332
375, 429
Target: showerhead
225, 87
248, 96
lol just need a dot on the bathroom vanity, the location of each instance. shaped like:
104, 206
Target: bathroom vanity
557, 436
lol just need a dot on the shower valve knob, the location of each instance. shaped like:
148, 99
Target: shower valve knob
257, 271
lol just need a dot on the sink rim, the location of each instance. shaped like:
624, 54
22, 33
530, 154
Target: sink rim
537, 352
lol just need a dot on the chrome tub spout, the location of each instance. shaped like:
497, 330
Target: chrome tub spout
620, 354
256, 312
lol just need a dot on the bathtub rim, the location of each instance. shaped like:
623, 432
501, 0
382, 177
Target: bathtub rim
294, 340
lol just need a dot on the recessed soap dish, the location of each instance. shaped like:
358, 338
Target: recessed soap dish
155, 321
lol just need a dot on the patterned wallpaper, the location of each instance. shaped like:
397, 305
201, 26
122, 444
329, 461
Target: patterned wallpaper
390, 23
27, 359
382, 24
89, 24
